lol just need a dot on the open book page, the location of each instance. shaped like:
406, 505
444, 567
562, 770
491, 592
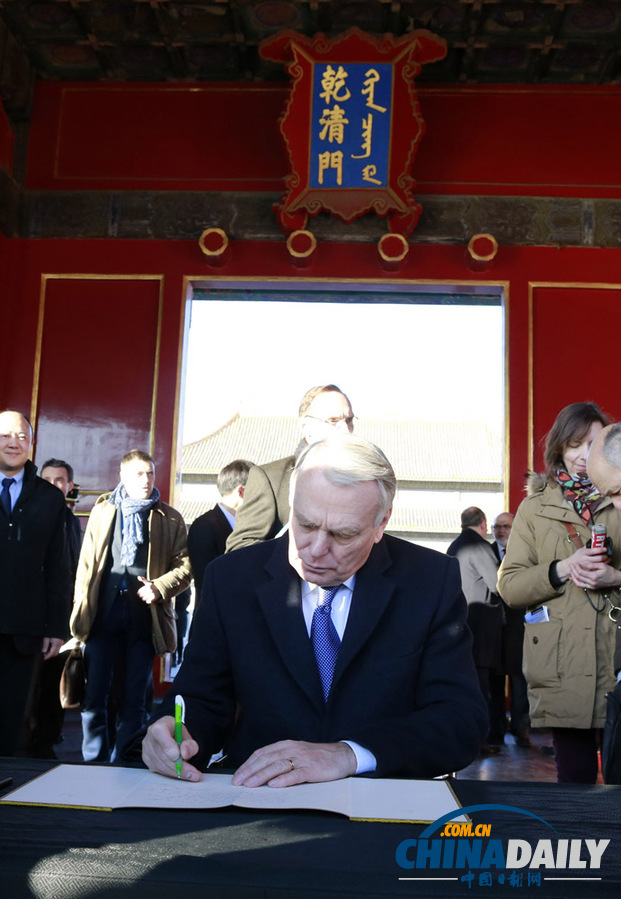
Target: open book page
103, 787
420, 801
89, 786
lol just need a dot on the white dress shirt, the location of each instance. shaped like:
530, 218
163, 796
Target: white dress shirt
230, 517
341, 605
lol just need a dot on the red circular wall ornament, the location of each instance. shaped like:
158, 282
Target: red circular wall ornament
392, 249
483, 247
301, 246
214, 244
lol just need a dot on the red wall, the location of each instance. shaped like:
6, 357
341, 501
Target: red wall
83, 347
533, 141
97, 322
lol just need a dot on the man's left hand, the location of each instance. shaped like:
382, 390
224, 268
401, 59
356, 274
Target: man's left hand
292, 762
148, 592
51, 647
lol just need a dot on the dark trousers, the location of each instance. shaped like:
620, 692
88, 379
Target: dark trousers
44, 723
117, 642
497, 705
493, 689
518, 705
575, 750
16, 675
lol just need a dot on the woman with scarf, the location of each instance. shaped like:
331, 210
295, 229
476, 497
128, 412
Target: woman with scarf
134, 554
567, 590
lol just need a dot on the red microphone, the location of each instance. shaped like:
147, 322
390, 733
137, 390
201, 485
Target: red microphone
598, 536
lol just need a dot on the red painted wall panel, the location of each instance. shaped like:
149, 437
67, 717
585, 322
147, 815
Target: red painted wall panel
95, 385
521, 141
538, 141
571, 361
183, 137
79, 333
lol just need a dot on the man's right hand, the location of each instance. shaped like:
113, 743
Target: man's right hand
160, 751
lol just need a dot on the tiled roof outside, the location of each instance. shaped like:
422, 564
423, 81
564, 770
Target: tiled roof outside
423, 451
403, 520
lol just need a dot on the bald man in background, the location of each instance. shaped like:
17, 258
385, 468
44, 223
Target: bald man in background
35, 582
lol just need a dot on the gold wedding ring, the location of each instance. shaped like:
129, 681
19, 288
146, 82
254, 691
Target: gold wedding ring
291, 763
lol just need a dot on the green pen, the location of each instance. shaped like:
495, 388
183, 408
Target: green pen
179, 719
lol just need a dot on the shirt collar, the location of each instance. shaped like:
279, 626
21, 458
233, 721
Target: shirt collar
227, 514
307, 587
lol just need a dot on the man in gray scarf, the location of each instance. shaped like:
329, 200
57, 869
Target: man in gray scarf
134, 554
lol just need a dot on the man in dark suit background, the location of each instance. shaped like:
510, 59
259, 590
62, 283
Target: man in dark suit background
479, 575
35, 588
208, 533
266, 498
403, 697
501, 529
512, 651
45, 722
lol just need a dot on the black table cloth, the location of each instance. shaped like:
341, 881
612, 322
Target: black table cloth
231, 853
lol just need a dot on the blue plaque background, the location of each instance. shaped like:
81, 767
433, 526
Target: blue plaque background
355, 111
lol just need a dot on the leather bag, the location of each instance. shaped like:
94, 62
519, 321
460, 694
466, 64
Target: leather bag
73, 680
164, 627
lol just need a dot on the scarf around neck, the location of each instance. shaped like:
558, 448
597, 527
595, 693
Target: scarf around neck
581, 493
132, 511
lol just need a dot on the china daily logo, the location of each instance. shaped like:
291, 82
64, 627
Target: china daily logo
446, 848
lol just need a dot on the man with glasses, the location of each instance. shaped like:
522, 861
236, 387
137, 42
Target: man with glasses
265, 512
501, 530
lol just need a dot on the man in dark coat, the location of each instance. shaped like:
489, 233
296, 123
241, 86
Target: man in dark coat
512, 651
35, 588
479, 574
46, 718
334, 650
208, 533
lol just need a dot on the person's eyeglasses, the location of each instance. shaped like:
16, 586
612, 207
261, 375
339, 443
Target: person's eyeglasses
502, 527
335, 422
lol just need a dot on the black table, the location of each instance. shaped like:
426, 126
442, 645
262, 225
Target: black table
49, 853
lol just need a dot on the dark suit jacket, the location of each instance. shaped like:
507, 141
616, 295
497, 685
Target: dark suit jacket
404, 687
512, 633
206, 541
265, 510
478, 565
74, 540
35, 596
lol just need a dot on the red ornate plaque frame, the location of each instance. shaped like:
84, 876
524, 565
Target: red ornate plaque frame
406, 55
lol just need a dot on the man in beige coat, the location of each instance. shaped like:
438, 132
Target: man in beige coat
134, 554
265, 511
604, 467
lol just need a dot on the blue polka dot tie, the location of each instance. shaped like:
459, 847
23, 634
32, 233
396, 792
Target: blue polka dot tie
326, 642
